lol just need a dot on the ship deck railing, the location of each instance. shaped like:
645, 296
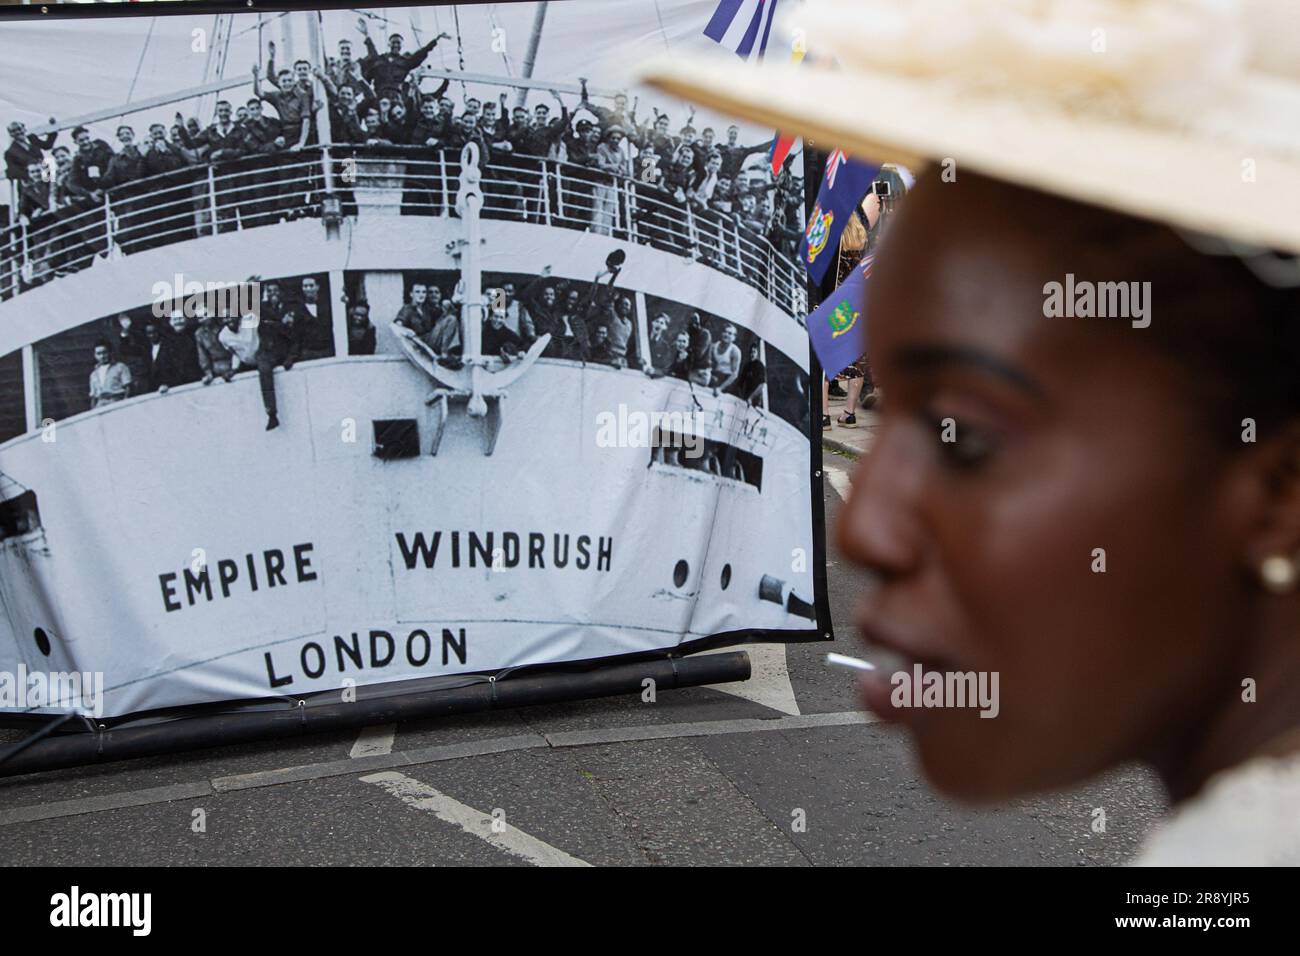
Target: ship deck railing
352, 181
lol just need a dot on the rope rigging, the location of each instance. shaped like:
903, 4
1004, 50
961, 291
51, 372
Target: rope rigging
460, 50
505, 55
140, 63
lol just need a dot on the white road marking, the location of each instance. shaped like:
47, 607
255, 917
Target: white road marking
769, 683
839, 480
510, 839
374, 741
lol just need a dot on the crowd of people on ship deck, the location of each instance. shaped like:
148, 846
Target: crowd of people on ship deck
139, 357
596, 325
587, 322
158, 189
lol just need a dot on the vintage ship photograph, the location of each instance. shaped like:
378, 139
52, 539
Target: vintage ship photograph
377, 346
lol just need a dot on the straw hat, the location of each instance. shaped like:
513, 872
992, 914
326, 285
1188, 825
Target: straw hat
1182, 111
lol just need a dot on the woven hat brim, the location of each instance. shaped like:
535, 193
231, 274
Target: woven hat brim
1190, 182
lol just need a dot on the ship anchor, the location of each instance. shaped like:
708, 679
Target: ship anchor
478, 380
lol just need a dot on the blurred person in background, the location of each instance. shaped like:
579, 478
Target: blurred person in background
859, 239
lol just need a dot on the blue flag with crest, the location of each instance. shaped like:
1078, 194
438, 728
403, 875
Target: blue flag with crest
837, 328
844, 184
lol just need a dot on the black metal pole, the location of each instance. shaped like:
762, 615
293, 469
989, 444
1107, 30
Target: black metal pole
219, 730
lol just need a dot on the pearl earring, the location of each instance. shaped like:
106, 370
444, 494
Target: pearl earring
1277, 573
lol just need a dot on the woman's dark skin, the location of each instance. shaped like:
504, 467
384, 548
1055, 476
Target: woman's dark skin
1072, 434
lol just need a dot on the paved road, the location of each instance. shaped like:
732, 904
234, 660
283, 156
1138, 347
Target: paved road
789, 774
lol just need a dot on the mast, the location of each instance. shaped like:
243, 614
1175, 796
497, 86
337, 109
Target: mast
211, 68
315, 52
316, 48
468, 203
534, 41
286, 42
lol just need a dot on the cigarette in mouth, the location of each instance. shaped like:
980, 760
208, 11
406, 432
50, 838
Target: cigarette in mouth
843, 660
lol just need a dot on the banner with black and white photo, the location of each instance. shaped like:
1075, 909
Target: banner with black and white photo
343, 348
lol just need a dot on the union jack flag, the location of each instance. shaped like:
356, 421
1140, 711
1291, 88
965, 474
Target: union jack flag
833, 163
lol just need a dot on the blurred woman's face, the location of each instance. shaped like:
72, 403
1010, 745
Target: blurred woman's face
1073, 440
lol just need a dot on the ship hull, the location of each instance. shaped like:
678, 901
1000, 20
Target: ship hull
190, 556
